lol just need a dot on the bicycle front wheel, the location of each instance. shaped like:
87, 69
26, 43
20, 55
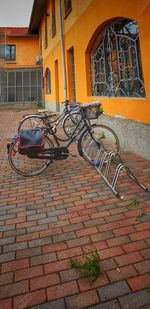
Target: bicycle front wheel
24, 165
92, 140
70, 122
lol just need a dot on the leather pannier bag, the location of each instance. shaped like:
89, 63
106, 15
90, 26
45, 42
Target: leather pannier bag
30, 141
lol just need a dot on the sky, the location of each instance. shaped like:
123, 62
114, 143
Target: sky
15, 13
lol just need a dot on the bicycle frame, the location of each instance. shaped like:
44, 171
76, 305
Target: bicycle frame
55, 152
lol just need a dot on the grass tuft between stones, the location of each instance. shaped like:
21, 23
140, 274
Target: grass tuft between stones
90, 268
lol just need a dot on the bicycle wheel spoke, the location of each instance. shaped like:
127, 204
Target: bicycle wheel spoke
24, 165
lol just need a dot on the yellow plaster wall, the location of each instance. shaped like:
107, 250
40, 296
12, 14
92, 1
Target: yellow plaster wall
27, 48
79, 27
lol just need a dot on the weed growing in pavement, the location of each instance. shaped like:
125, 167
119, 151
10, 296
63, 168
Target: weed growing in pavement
134, 202
90, 268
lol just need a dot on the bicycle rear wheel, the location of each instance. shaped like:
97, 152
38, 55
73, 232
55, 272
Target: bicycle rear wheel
99, 136
31, 122
24, 165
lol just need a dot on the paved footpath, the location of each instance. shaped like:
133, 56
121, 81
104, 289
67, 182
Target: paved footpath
66, 212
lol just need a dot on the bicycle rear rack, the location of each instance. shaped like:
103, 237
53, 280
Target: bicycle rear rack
109, 165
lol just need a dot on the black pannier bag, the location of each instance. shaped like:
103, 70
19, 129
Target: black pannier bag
30, 141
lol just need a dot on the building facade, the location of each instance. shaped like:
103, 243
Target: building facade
103, 56
20, 76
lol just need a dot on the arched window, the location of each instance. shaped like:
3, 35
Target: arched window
48, 81
115, 61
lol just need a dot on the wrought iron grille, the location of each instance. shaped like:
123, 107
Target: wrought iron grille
116, 68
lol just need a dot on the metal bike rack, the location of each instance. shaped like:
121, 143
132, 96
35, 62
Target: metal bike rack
103, 163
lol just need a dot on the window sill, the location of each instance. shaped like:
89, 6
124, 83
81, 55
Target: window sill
11, 61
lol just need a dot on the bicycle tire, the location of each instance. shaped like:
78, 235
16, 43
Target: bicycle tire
31, 122
90, 141
70, 122
24, 165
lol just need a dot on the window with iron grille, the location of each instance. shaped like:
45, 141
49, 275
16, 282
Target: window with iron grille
11, 52
67, 7
48, 81
115, 60
53, 18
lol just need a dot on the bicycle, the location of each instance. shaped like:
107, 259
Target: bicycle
39, 120
91, 139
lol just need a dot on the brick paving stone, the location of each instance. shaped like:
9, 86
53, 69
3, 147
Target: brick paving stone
85, 284
29, 299
82, 300
134, 246
114, 304
135, 300
14, 232
78, 241
139, 282
28, 273
68, 253
15, 247
44, 281
121, 273
118, 241
43, 259
113, 290
6, 278
54, 247
143, 267
50, 232
40, 242
64, 237
143, 226
6, 303
145, 253
14, 289
14, 265
67, 211
7, 240
128, 258
56, 266
62, 290
111, 252
7, 257
108, 264
56, 304
101, 236
140, 235
28, 252
68, 275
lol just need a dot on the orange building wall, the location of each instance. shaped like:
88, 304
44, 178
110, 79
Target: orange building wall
27, 48
79, 27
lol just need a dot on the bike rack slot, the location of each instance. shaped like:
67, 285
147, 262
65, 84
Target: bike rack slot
104, 161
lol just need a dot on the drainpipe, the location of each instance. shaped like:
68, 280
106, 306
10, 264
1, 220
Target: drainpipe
62, 50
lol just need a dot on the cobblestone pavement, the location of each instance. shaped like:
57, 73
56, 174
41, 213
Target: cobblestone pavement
66, 212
